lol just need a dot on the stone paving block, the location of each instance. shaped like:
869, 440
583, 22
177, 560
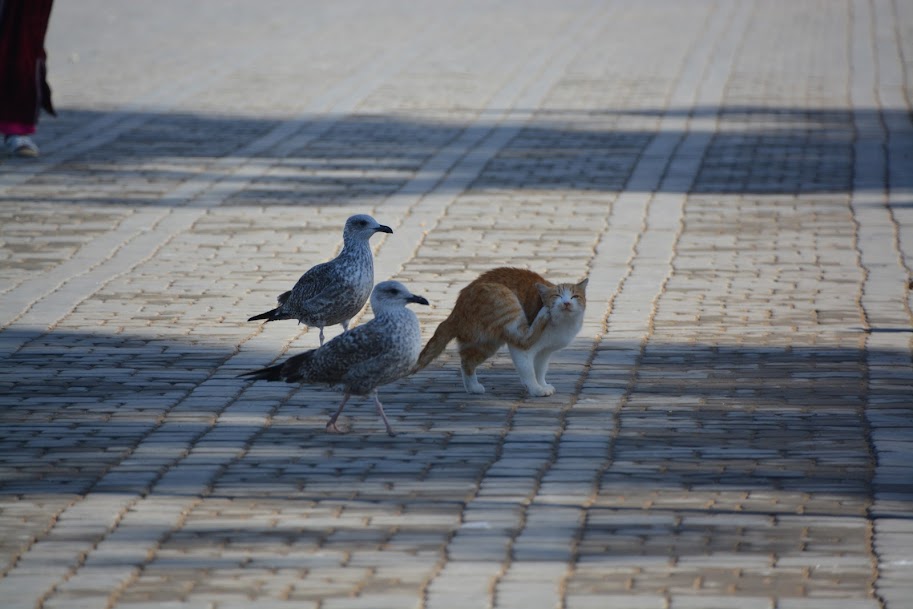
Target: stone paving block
710, 602
826, 603
616, 601
64, 599
198, 603
526, 594
374, 601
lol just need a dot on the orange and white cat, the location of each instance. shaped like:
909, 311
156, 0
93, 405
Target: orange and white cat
495, 309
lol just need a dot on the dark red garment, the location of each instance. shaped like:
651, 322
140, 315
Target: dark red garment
24, 89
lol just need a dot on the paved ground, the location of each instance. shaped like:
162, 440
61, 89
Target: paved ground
732, 427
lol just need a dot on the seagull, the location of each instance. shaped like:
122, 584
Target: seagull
333, 292
363, 358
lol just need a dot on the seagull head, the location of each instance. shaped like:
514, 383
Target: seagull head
390, 294
360, 227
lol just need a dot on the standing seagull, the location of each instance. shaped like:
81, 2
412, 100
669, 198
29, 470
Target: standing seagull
333, 292
363, 358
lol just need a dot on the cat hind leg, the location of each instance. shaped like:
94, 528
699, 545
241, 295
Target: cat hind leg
470, 358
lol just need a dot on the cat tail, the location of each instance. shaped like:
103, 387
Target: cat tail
445, 333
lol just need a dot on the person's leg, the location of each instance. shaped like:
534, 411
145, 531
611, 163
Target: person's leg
16, 138
23, 26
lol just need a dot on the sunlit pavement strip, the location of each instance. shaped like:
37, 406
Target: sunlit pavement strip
731, 429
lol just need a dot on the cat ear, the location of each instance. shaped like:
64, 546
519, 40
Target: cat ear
543, 290
582, 285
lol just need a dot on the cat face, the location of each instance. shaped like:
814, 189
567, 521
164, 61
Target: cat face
565, 300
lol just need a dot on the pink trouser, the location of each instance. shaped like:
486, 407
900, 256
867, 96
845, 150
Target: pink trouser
7, 128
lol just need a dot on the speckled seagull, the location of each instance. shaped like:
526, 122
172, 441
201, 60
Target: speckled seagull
333, 292
363, 358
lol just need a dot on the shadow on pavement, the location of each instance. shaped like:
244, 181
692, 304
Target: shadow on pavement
748, 418
752, 150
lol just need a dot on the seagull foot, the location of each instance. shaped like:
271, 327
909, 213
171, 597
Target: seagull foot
333, 428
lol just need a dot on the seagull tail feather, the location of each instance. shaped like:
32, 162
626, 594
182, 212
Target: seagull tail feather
268, 316
274, 314
297, 369
271, 373
294, 369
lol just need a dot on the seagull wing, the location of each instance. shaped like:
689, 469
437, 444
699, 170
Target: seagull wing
319, 279
346, 355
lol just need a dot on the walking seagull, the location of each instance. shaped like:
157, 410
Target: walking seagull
333, 292
363, 358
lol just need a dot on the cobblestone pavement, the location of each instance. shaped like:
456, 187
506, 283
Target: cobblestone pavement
732, 428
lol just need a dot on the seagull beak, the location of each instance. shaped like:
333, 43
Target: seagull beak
418, 300
383, 229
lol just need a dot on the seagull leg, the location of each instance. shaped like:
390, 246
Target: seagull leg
380, 411
321, 340
345, 325
331, 425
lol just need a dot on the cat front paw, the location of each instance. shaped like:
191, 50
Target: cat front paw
473, 386
540, 392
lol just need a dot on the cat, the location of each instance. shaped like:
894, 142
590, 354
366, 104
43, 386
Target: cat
495, 309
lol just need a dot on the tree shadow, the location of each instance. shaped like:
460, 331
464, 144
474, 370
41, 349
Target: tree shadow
750, 150
167, 420
748, 417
